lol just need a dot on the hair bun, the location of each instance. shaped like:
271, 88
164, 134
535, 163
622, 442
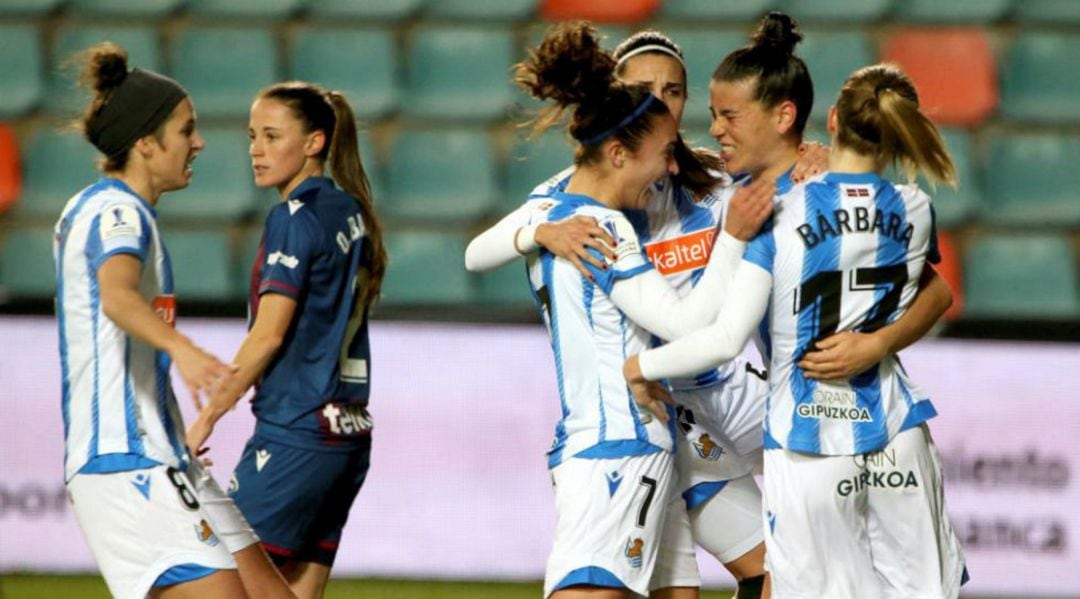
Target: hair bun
778, 31
108, 66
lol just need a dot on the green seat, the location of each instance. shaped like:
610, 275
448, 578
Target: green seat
64, 96
482, 10
126, 8
1047, 12
55, 167
1033, 86
426, 268
248, 250
223, 68
376, 10
704, 50
21, 64
373, 166
28, 8
831, 58
222, 187
1021, 276
953, 207
458, 73
852, 11
441, 176
201, 264
369, 78
530, 163
26, 263
711, 10
951, 11
506, 287
1032, 180
258, 9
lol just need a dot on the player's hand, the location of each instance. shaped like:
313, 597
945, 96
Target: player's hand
650, 395
199, 431
201, 371
843, 355
749, 208
571, 239
813, 160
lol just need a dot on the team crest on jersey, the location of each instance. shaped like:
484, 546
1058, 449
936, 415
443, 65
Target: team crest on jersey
633, 551
707, 449
205, 534
120, 220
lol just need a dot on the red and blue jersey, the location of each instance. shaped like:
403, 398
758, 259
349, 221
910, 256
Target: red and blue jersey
315, 390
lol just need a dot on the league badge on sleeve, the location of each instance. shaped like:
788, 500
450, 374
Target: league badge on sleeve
120, 220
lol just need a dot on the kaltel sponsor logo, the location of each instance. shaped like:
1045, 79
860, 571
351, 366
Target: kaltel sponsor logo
1022, 468
32, 500
682, 253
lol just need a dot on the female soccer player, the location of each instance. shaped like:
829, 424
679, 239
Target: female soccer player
318, 271
853, 486
156, 522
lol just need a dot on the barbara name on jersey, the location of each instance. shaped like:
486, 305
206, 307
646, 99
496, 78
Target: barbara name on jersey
859, 219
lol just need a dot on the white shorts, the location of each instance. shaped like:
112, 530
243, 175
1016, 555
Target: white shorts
140, 523
729, 525
676, 564
721, 432
610, 518
869, 525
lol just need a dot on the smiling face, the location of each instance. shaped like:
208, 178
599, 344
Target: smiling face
749, 133
173, 149
663, 75
653, 160
282, 154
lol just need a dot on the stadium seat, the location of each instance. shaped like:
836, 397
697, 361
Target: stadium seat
1031, 180
952, 11
21, 64
506, 287
125, 8
26, 263
836, 10
369, 78
441, 175
224, 68
28, 8
1033, 87
458, 73
426, 268
533, 162
56, 167
258, 9
222, 187
368, 10
710, 10
953, 69
951, 269
601, 11
1047, 12
1021, 276
704, 49
245, 258
373, 165
10, 173
832, 58
64, 97
202, 264
481, 10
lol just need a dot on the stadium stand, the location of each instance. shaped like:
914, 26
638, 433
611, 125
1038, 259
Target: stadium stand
531, 162
373, 90
26, 263
602, 11
248, 9
1021, 276
63, 96
21, 63
125, 8
221, 189
1032, 86
427, 269
483, 10
28, 8
836, 11
831, 57
1032, 180
710, 10
378, 10
223, 67
202, 265
1047, 12
10, 168
57, 166
953, 11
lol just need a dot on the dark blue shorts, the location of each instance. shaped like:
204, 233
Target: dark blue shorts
296, 499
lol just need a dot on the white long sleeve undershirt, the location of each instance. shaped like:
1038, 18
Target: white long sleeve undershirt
503, 242
721, 341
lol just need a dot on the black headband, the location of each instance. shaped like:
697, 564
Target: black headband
136, 108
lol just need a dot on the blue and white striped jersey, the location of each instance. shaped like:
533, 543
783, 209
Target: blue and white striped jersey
118, 406
845, 253
677, 234
591, 338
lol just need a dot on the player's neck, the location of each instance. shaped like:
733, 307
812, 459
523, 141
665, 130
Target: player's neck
139, 182
596, 185
309, 170
844, 160
781, 162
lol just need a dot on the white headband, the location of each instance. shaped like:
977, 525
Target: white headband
650, 48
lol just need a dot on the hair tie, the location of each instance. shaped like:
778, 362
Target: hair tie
650, 48
640, 110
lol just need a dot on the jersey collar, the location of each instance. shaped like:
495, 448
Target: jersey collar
575, 198
311, 184
853, 178
118, 184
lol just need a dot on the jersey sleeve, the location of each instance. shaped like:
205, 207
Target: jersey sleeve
762, 248
119, 228
291, 242
629, 259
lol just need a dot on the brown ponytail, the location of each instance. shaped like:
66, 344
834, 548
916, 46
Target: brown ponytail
878, 115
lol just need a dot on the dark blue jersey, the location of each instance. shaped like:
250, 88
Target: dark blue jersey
312, 250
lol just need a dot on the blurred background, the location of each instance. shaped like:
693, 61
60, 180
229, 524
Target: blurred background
430, 81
